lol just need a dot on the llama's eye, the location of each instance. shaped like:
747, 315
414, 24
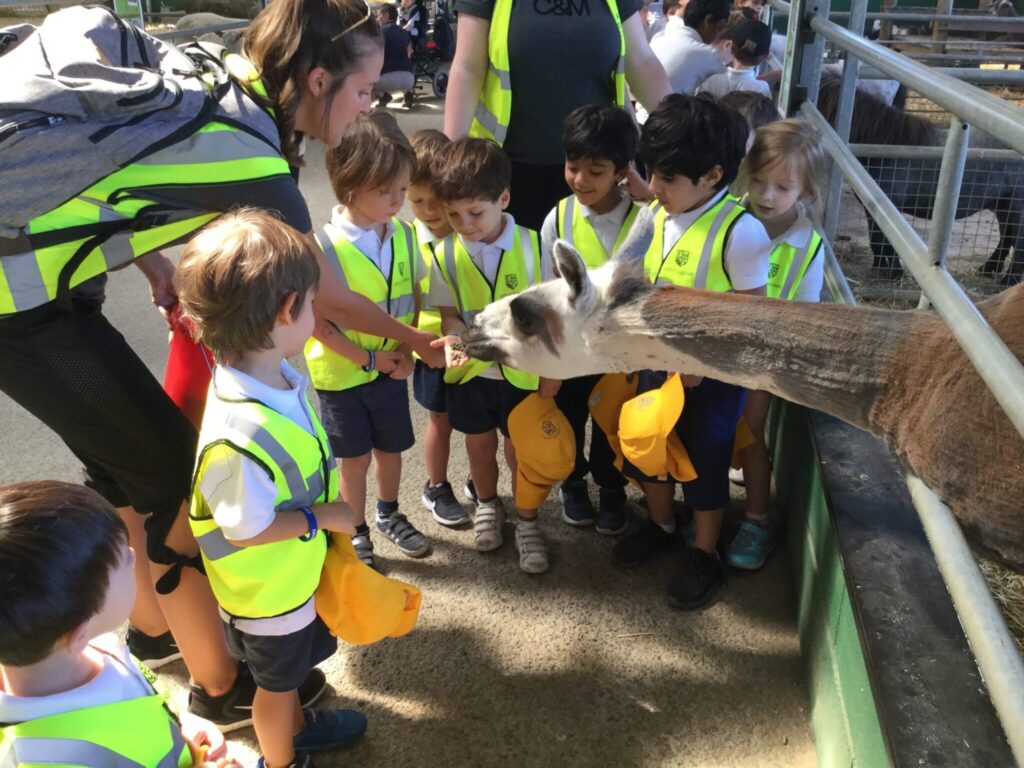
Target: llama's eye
527, 321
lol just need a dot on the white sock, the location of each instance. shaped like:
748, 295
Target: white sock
670, 528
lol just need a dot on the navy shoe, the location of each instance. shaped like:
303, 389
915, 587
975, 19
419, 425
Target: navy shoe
576, 507
612, 518
300, 761
329, 728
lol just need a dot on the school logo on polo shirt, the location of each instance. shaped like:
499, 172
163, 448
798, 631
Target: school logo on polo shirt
511, 281
682, 257
773, 269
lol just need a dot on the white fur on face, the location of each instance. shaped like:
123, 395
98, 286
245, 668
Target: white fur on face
552, 334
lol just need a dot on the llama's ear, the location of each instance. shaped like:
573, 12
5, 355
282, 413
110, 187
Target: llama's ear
635, 246
572, 269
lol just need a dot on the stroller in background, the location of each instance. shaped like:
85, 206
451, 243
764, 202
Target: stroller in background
431, 58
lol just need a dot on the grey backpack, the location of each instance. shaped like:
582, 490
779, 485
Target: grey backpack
87, 93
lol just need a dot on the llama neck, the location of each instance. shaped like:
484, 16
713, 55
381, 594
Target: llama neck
829, 357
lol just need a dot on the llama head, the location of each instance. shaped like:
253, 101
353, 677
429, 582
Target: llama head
560, 329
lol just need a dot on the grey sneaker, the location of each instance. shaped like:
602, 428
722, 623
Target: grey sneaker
364, 548
397, 527
441, 501
487, 523
533, 550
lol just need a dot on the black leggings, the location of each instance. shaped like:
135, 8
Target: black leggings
535, 190
69, 367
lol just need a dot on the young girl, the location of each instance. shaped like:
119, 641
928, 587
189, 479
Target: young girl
782, 176
364, 399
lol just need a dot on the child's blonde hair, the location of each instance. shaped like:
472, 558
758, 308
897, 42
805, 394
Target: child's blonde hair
793, 141
373, 151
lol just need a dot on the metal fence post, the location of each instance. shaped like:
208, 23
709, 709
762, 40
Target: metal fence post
947, 195
844, 116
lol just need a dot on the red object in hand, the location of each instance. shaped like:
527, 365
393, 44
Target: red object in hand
189, 369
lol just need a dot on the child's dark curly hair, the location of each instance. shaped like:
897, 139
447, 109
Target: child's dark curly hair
600, 132
689, 136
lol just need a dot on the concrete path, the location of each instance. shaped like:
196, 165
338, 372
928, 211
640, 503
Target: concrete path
583, 667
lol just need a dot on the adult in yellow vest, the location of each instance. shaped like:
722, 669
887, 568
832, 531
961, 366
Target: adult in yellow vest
521, 68
63, 361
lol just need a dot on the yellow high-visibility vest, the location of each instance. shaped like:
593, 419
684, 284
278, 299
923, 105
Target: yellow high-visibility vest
788, 265
697, 259
268, 579
575, 228
109, 224
394, 293
494, 109
518, 269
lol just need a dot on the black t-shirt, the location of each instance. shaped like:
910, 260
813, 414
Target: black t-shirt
561, 56
396, 49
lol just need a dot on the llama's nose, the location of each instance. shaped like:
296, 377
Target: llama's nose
480, 347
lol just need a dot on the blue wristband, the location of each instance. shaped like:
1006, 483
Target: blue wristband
311, 520
368, 368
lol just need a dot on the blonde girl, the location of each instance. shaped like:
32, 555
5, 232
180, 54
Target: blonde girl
782, 177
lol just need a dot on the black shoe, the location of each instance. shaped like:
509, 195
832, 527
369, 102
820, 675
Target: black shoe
696, 580
409, 100
233, 710
612, 517
643, 544
152, 651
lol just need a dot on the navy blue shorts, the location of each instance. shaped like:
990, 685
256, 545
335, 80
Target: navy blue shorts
281, 663
481, 405
428, 387
707, 429
370, 416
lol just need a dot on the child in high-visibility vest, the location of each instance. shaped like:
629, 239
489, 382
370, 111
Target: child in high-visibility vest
782, 176
69, 690
703, 238
428, 385
488, 257
361, 379
600, 142
265, 488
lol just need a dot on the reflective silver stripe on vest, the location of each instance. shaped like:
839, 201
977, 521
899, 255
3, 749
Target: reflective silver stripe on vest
567, 216
700, 280
401, 305
300, 497
449, 264
323, 239
24, 280
37, 751
620, 66
527, 243
210, 147
215, 545
488, 120
117, 250
798, 266
503, 75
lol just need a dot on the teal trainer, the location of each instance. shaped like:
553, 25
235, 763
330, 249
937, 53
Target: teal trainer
749, 547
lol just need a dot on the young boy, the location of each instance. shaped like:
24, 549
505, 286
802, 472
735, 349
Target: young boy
265, 488
428, 385
600, 142
361, 378
702, 239
749, 42
487, 258
69, 690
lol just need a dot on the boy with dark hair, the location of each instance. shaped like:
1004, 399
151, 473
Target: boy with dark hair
488, 257
66, 584
265, 490
600, 142
749, 43
703, 239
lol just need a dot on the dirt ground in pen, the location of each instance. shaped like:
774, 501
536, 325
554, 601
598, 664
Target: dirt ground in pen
584, 666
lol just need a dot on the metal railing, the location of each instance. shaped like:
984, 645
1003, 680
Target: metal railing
995, 651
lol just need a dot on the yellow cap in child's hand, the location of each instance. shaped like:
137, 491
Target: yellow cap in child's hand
647, 435
545, 448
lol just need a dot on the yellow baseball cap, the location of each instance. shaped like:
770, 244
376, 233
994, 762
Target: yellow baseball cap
545, 448
605, 402
744, 438
357, 603
647, 432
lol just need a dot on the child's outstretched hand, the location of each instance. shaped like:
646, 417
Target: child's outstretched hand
454, 351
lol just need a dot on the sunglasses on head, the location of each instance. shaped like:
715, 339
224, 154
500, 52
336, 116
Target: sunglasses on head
363, 20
